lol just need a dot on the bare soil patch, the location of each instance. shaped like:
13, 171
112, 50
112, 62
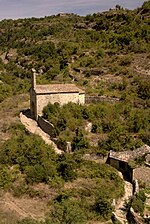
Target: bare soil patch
13, 209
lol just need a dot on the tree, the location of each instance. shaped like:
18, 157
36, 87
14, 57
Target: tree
104, 208
5, 177
34, 157
79, 141
67, 211
67, 167
144, 89
118, 7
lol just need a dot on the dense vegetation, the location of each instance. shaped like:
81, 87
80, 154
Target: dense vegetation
105, 53
86, 48
137, 202
123, 125
26, 160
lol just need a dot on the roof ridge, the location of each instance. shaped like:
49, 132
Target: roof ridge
58, 88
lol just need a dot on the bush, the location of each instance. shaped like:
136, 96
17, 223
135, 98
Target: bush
138, 202
19, 187
144, 89
125, 60
34, 157
67, 166
28, 221
67, 211
5, 91
104, 208
5, 177
89, 192
67, 171
36, 173
79, 142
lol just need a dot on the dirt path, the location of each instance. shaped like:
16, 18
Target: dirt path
13, 207
32, 126
119, 213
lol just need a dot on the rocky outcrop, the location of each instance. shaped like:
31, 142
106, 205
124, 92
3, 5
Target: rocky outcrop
85, 26
11, 55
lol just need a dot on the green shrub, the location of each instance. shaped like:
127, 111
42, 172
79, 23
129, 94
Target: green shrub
138, 202
144, 89
68, 165
79, 142
19, 187
5, 91
104, 208
34, 157
5, 177
67, 211
125, 60
28, 221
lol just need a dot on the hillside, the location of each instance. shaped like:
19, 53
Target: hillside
106, 54
103, 52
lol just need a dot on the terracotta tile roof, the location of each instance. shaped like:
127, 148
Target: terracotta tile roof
58, 88
127, 155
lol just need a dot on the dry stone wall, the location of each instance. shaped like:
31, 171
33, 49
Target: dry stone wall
98, 99
46, 126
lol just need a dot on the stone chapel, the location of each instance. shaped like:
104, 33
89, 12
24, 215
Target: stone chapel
41, 95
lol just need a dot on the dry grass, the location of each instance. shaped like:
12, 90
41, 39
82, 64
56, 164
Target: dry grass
9, 111
13, 209
16, 208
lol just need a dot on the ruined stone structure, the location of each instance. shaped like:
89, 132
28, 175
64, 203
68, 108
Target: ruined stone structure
120, 160
41, 95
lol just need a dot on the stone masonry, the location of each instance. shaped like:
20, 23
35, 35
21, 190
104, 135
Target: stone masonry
41, 95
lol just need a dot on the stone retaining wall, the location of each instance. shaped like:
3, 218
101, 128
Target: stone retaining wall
97, 99
46, 126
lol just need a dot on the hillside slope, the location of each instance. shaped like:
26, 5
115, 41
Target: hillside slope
107, 54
